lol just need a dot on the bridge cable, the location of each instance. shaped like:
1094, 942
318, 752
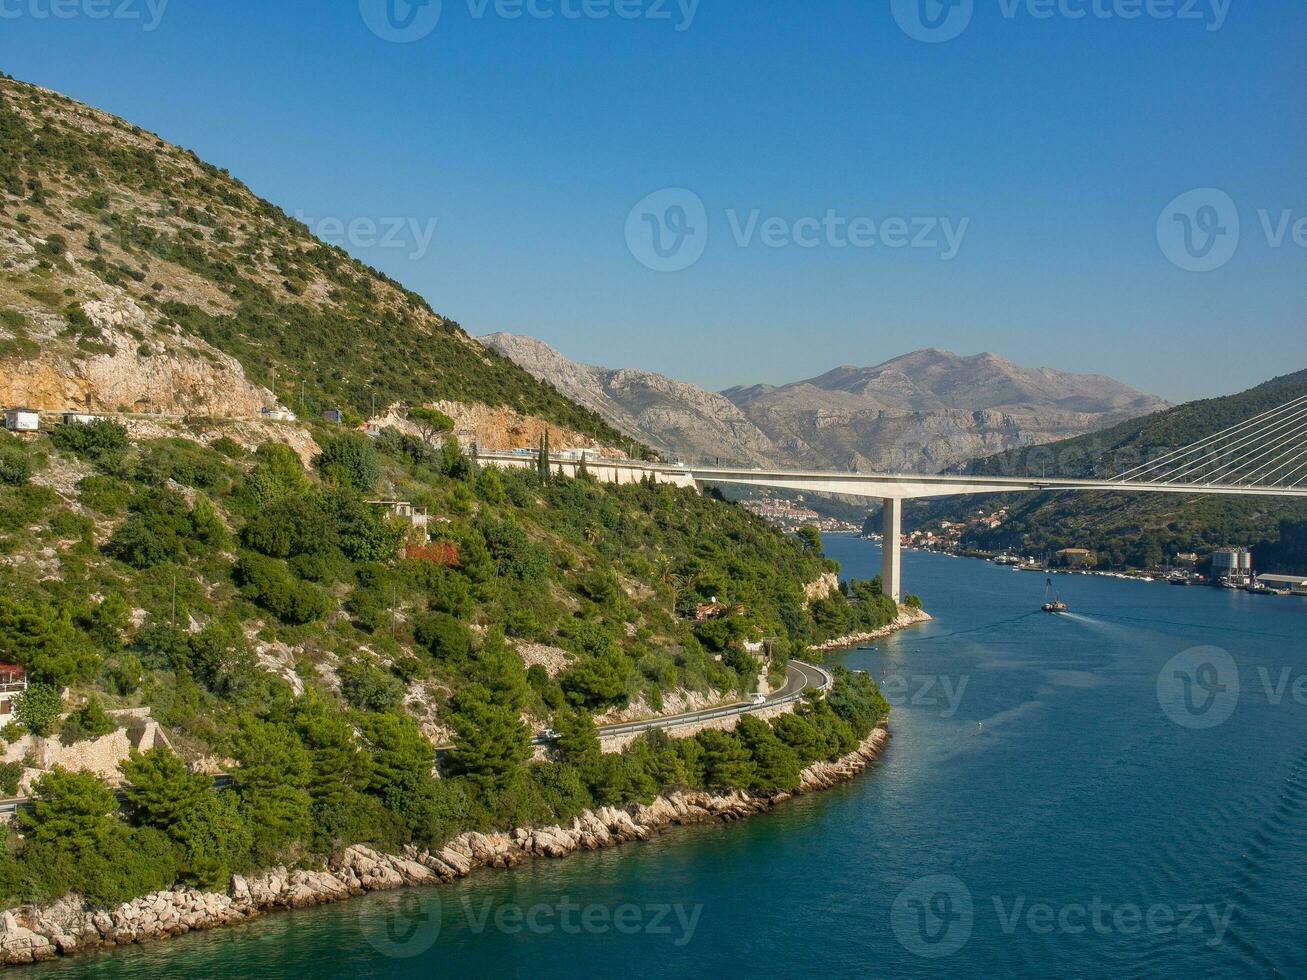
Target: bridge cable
1183, 451
1246, 440
1277, 448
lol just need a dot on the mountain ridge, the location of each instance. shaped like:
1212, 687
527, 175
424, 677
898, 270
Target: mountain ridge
927, 410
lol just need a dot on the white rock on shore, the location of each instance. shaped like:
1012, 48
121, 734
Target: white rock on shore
35, 933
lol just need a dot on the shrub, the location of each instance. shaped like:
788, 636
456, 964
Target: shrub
88, 722
350, 460
107, 494
15, 465
10, 774
101, 442
268, 583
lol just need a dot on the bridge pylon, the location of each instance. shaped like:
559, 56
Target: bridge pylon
891, 576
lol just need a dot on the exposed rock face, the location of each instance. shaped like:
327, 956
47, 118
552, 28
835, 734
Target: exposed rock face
32, 934
137, 365
672, 416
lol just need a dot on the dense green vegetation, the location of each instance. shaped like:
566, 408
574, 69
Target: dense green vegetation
1136, 530
181, 565
318, 327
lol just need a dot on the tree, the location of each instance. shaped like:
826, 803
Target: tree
726, 761
161, 792
598, 681
214, 839
401, 755
491, 741
339, 767
350, 460
542, 460
73, 810
273, 780
38, 708
445, 638
369, 688
45, 641
578, 740
90, 721
430, 422
776, 765
278, 473
810, 538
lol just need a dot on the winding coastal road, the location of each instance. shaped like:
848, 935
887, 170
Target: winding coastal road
799, 677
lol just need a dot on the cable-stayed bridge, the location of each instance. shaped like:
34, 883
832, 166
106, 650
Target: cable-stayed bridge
1264, 456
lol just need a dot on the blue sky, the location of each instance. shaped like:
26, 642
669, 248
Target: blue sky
1051, 145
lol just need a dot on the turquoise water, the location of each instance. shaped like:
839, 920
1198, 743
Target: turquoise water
1045, 808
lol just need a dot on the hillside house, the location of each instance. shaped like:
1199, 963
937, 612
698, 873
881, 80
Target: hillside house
13, 681
414, 517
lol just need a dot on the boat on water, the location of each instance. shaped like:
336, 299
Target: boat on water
1052, 602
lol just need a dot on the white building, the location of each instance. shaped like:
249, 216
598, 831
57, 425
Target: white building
23, 420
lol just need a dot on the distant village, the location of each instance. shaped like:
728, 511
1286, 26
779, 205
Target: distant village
790, 515
1227, 568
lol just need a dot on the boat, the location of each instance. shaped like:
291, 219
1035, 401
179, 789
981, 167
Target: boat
1053, 604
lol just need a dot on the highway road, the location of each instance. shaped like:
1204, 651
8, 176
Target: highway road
800, 677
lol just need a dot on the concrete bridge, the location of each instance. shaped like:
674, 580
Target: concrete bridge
1240, 461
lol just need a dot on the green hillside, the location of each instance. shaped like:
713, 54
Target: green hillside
1135, 530
105, 203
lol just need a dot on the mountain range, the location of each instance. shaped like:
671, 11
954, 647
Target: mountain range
930, 410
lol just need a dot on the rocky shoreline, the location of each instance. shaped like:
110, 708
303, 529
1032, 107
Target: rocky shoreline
907, 617
32, 934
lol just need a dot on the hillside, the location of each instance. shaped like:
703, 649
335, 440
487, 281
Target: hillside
931, 410
136, 277
1139, 530
312, 611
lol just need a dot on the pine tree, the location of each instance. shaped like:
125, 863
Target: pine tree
160, 790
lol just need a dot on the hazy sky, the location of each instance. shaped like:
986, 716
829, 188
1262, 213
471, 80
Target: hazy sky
846, 191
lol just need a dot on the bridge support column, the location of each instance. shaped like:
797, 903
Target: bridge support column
891, 575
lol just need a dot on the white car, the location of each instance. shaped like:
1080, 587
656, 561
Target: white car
758, 699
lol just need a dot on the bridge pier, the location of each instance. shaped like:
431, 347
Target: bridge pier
891, 576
